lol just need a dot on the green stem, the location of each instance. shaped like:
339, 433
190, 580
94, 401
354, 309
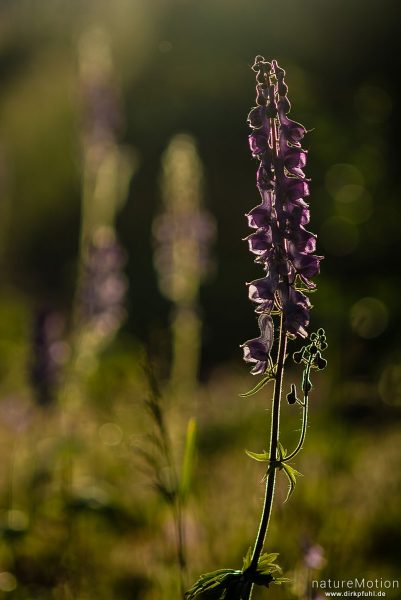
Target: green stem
304, 422
298, 447
274, 438
303, 432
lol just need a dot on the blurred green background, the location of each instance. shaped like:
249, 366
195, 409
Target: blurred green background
91, 95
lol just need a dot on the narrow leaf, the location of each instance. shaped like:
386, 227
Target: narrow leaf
188, 460
261, 384
246, 561
262, 457
292, 478
282, 452
268, 559
281, 580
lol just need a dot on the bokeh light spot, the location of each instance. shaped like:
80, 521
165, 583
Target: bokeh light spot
8, 582
354, 202
17, 520
110, 434
340, 175
369, 317
339, 236
390, 385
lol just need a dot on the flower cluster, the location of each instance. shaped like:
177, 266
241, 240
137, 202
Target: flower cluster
280, 242
184, 231
103, 286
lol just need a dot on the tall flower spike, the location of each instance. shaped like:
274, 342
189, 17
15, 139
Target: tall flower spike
279, 240
284, 247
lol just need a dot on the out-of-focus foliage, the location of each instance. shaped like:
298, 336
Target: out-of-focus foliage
79, 515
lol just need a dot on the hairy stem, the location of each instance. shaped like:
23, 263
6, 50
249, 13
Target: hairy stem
298, 447
274, 439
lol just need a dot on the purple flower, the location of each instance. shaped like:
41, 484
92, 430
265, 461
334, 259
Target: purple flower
262, 292
261, 241
293, 131
295, 307
48, 354
104, 285
261, 214
257, 351
280, 241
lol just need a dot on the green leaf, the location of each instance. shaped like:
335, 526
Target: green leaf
281, 580
292, 478
261, 384
215, 585
262, 457
282, 452
268, 559
188, 460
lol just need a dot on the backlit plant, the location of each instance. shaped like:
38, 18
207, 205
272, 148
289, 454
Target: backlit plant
285, 249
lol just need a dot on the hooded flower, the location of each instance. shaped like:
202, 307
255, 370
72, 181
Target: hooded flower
280, 241
257, 351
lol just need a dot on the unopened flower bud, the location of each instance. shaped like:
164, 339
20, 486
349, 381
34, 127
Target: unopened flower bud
292, 395
297, 356
320, 362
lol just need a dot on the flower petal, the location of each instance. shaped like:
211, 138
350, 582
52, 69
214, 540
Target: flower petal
262, 291
260, 241
260, 215
257, 350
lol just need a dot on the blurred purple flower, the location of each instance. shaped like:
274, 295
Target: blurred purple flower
313, 556
104, 285
49, 353
281, 243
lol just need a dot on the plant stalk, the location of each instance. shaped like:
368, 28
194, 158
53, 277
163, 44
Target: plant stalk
274, 439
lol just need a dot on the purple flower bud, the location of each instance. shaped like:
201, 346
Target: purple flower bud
293, 131
257, 118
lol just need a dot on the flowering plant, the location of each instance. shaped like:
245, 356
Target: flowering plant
285, 249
